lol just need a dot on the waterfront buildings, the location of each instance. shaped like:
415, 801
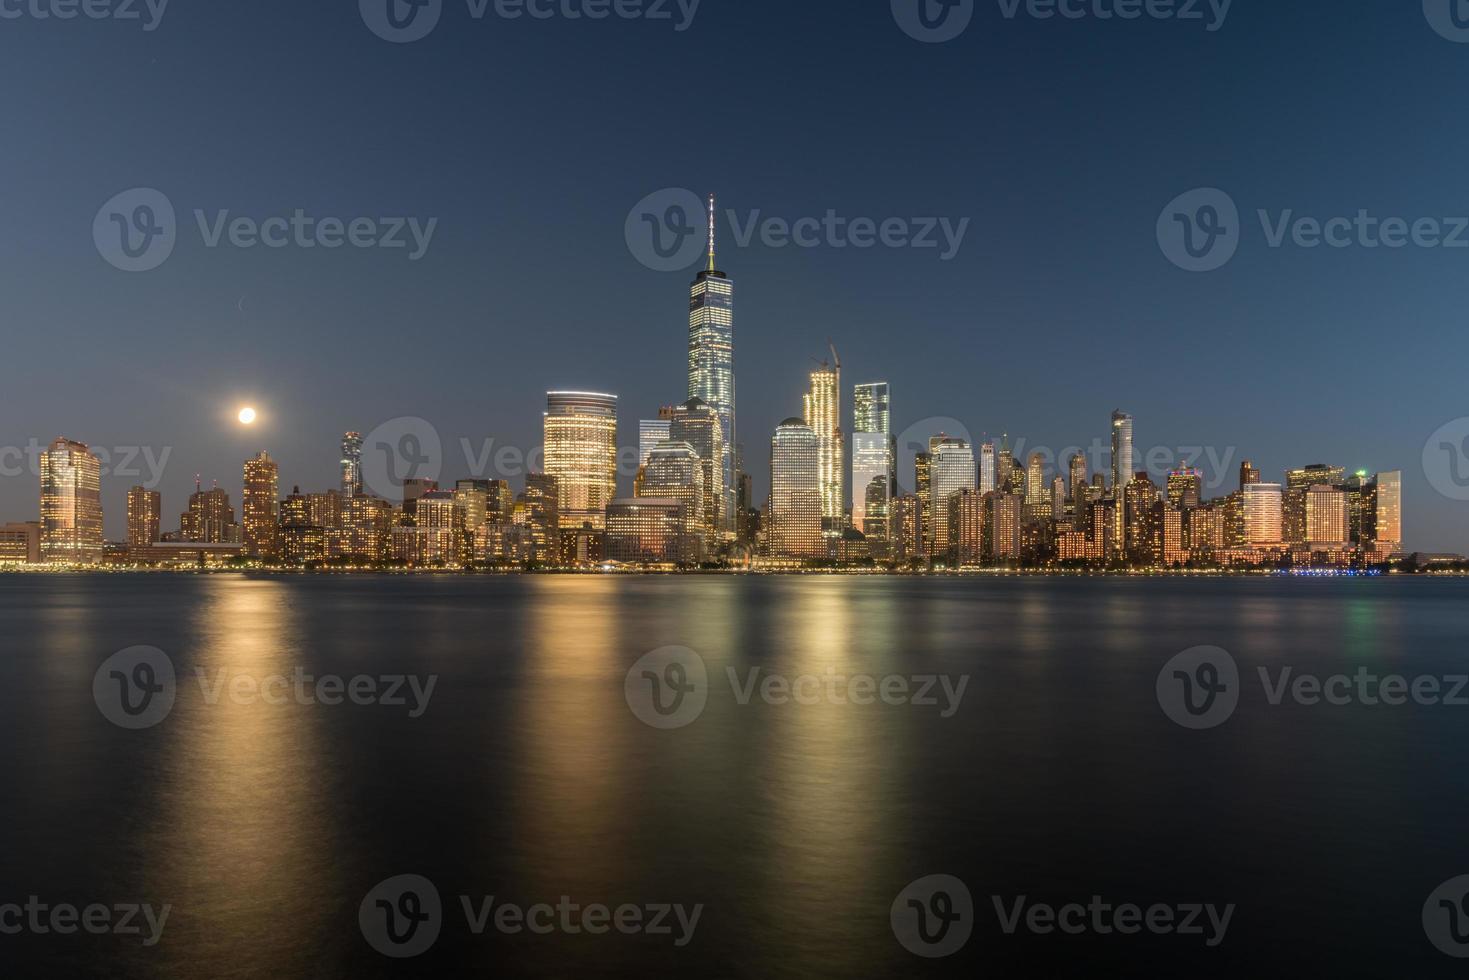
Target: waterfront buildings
580, 431
823, 416
874, 459
953, 470
145, 516
259, 520
711, 366
794, 518
351, 463
71, 504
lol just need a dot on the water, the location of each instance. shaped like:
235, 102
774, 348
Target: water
528, 777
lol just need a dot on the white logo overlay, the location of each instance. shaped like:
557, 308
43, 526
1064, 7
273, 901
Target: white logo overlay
1446, 917
933, 917
402, 916
1199, 688
666, 231
401, 21
135, 688
1450, 18
667, 688
401, 449
1199, 231
1446, 459
933, 21
136, 230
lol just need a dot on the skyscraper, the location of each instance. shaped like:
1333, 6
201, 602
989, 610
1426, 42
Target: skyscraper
1037, 493
711, 364
210, 519
1326, 524
953, 470
653, 431
874, 458
258, 504
1385, 517
1298, 483
351, 463
923, 491
987, 471
675, 471
145, 516
794, 518
1122, 472
581, 453
1262, 513
824, 419
71, 504
1185, 488
697, 425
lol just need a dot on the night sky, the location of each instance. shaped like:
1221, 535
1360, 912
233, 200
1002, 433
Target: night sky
530, 141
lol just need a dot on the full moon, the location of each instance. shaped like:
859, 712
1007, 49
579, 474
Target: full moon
247, 416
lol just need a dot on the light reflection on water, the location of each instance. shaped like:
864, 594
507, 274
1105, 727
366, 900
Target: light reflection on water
529, 778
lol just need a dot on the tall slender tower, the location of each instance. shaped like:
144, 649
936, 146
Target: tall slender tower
711, 365
824, 417
259, 503
352, 463
874, 459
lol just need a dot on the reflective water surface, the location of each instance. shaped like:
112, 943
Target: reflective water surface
528, 777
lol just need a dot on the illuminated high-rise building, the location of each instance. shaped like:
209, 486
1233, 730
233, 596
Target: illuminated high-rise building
1005, 469
1249, 474
145, 516
1298, 483
1122, 462
675, 471
1385, 513
953, 470
1037, 492
653, 431
698, 426
1185, 488
1058, 498
711, 365
1326, 523
923, 491
258, 502
351, 463
472, 497
542, 501
1003, 517
965, 526
874, 459
1122, 473
824, 418
1139, 497
1080, 496
71, 504
1262, 514
581, 453
907, 543
210, 518
987, 471
794, 517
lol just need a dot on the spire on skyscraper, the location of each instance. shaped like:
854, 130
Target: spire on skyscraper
711, 232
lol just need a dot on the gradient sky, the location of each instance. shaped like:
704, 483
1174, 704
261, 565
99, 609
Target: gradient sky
530, 141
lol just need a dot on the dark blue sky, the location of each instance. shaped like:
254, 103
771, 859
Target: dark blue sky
530, 141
